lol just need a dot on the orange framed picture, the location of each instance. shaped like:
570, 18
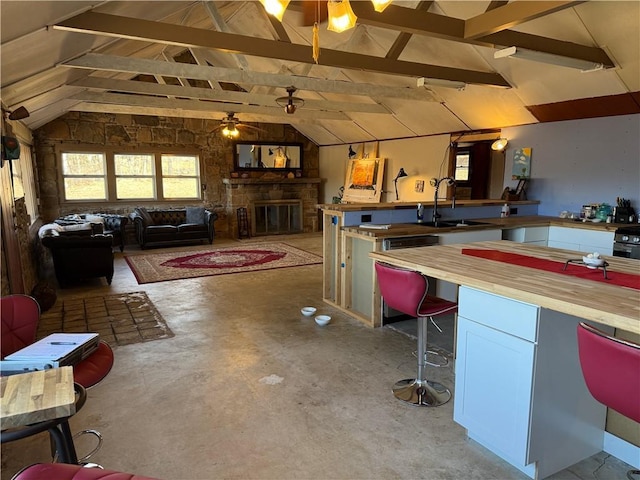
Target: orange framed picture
363, 181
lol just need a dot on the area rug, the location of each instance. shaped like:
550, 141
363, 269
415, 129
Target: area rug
160, 267
120, 319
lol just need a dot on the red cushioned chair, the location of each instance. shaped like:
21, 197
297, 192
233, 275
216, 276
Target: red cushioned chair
61, 471
406, 291
19, 316
611, 369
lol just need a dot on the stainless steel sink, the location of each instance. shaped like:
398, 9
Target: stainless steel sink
451, 223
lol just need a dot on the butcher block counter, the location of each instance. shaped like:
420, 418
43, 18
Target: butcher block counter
519, 389
606, 304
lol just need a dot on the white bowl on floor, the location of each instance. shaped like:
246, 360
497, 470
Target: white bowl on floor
323, 320
308, 311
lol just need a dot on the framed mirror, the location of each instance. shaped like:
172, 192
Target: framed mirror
268, 155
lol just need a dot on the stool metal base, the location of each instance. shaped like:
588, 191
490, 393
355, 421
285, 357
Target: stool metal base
421, 393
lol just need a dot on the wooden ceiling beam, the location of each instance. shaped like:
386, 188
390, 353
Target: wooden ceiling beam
185, 106
94, 61
170, 34
510, 15
448, 28
146, 88
403, 37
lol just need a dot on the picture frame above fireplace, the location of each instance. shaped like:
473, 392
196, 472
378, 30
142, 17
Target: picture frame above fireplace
267, 156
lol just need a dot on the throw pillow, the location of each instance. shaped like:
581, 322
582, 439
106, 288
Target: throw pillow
93, 218
146, 218
195, 215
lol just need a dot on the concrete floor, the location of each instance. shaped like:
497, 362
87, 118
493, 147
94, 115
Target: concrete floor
249, 388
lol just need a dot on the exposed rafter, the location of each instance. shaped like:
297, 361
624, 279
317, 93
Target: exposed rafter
147, 88
94, 61
511, 15
186, 105
145, 30
448, 28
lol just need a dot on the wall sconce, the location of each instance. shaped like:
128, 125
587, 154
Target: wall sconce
401, 174
275, 7
341, 16
500, 144
549, 58
351, 153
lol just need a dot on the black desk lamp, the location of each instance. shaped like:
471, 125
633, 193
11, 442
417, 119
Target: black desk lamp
401, 174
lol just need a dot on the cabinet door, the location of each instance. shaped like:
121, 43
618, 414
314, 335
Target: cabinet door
493, 388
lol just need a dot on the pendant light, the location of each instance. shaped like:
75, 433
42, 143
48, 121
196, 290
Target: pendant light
380, 5
275, 7
290, 103
341, 16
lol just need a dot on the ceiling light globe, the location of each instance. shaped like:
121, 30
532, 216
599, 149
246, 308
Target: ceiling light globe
380, 5
275, 7
341, 16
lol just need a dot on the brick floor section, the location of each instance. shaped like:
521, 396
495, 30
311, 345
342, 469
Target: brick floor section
120, 319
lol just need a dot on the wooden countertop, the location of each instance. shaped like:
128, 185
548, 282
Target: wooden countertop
357, 207
408, 229
34, 397
611, 305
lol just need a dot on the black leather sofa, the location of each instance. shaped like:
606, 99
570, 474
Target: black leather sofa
112, 224
158, 227
80, 256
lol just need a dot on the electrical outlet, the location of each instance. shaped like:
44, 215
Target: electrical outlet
365, 218
513, 211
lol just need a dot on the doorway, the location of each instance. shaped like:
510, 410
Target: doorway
478, 170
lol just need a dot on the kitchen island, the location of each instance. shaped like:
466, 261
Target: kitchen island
519, 389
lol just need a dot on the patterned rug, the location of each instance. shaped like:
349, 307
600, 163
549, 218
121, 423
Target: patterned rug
160, 267
120, 319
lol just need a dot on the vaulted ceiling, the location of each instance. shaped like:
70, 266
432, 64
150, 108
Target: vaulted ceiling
204, 59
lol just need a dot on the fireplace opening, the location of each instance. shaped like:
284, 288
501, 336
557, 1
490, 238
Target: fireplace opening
273, 217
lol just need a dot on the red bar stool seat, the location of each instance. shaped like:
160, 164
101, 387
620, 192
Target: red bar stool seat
62, 471
611, 369
406, 291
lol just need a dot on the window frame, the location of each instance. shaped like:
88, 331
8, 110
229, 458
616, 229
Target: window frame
110, 175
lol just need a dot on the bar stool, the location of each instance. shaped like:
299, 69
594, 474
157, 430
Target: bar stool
611, 369
406, 291
61, 471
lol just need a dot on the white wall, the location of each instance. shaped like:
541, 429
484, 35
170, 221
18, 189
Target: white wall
422, 158
573, 163
580, 161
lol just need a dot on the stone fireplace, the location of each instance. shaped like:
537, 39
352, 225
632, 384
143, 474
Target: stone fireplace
274, 205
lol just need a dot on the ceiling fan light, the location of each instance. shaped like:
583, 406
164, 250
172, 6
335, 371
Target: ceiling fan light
500, 144
290, 108
380, 5
230, 131
341, 16
275, 7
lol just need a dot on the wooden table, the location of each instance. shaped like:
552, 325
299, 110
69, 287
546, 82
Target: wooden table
519, 389
610, 305
33, 397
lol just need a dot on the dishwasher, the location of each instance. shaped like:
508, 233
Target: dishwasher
390, 315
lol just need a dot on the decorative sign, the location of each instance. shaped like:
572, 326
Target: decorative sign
521, 163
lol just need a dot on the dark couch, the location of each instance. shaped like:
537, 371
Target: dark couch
156, 227
112, 224
77, 257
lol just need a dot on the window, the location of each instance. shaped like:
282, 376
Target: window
461, 173
115, 176
85, 176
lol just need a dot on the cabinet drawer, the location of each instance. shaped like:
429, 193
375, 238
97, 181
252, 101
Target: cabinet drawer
510, 316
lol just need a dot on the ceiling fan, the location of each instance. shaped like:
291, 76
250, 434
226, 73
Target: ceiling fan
229, 126
290, 103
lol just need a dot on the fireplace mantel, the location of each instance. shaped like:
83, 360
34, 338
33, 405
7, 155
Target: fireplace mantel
268, 181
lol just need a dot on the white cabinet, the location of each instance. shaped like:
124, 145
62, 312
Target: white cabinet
519, 390
532, 235
582, 240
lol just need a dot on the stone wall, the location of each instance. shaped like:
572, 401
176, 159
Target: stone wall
134, 131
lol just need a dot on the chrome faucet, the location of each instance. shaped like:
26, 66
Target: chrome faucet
436, 183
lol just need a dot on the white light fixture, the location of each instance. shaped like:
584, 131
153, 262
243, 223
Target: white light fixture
275, 7
380, 5
439, 82
500, 144
341, 16
542, 57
